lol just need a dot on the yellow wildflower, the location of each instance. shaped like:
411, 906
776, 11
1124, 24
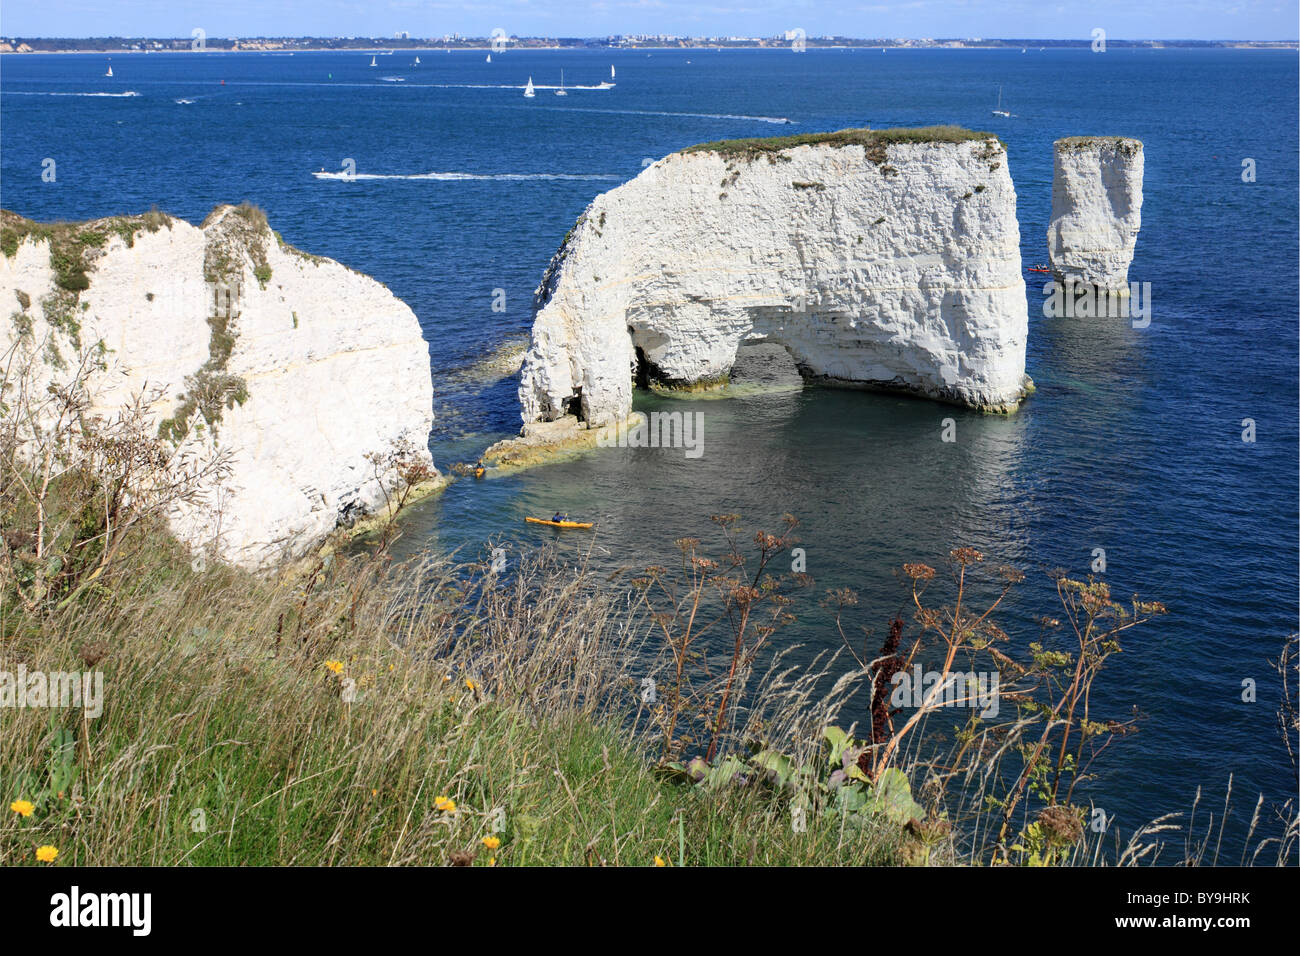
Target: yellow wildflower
470, 684
659, 861
335, 667
445, 804
23, 808
46, 854
491, 842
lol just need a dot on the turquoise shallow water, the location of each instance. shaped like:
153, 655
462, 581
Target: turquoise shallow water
1132, 442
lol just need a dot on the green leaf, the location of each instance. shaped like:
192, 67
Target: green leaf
777, 764
838, 740
891, 795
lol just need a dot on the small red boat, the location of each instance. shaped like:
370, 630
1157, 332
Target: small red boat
1039, 268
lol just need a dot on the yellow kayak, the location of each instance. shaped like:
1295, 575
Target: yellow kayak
559, 524
478, 472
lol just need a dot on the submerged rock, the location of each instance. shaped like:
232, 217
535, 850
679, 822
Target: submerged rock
1096, 210
885, 259
294, 366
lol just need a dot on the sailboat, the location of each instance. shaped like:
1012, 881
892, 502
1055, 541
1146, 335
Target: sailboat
561, 90
489, 58
110, 70
528, 90
372, 62
417, 61
1000, 111
611, 71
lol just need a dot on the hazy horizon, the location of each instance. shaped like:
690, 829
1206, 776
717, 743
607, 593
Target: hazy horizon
1247, 20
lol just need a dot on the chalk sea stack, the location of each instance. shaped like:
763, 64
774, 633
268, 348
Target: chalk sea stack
1096, 210
879, 258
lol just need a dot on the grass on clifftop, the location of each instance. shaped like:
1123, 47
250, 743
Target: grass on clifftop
1125, 144
484, 739
869, 138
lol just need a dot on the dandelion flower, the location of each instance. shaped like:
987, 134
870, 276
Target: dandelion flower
23, 808
445, 804
659, 861
335, 667
46, 854
491, 842
470, 684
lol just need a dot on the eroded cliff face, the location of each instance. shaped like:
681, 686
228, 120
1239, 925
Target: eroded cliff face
292, 366
886, 260
1096, 210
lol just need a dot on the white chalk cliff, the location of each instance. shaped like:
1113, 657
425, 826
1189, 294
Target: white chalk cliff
294, 366
1096, 210
887, 259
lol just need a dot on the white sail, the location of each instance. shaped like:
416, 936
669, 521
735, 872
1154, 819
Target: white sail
528, 90
1000, 111
489, 57
372, 62
110, 72
561, 90
417, 61
611, 71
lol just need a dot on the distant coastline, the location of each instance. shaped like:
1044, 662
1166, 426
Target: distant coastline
377, 45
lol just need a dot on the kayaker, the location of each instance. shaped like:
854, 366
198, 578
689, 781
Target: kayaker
560, 517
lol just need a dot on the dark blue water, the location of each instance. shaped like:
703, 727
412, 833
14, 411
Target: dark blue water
1132, 442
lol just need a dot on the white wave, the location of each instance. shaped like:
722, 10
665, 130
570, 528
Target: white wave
393, 79
780, 120
599, 88
48, 93
725, 116
446, 177
184, 102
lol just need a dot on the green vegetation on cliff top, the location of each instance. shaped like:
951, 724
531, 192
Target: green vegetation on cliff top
869, 138
1125, 144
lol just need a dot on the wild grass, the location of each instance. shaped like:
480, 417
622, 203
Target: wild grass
226, 739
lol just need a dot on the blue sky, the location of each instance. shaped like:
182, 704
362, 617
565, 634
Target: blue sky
1125, 19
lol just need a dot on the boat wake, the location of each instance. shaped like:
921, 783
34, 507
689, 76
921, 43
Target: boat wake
779, 120
447, 177
598, 88
51, 93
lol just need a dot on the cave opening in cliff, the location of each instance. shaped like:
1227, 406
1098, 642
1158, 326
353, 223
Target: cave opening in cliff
573, 404
641, 373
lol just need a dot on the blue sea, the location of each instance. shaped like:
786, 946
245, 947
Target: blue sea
1133, 442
